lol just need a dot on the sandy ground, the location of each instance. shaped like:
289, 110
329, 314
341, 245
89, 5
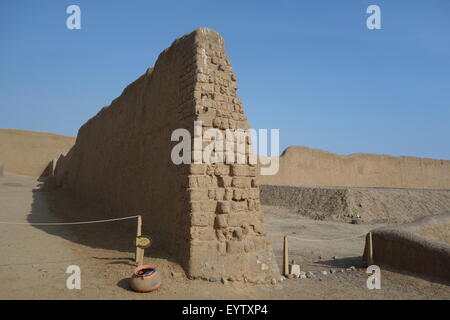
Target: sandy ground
34, 259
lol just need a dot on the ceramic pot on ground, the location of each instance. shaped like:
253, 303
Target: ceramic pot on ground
145, 278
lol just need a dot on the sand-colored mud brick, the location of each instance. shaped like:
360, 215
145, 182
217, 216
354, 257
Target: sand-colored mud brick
252, 170
249, 246
251, 204
220, 193
221, 221
222, 170
239, 170
210, 169
198, 194
192, 182
224, 124
220, 235
228, 194
202, 206
203, 181
237, 233
237, 194
217, 122
254, 193
224, 206
241, 182
202, 219
222, 248
211, 193
238, 206
246, 229
235, 247
197, 169
203, 233
245, 193
260, 243
257, 205
208, 205
236, 219
195, 206
258, 228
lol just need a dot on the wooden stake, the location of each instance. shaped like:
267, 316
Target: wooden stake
139, 257
370, 247
285, 257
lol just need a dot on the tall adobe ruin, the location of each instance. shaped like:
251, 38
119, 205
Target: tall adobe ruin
205, 216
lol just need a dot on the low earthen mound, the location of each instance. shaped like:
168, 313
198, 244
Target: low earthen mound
421, 246
367, 205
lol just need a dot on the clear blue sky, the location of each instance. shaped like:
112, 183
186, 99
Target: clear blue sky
310, 68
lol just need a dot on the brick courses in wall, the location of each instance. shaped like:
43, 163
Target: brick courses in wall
206, 216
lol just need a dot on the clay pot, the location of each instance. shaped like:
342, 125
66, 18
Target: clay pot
145, 282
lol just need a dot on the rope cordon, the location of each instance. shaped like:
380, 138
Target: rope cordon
65, 223
340, 239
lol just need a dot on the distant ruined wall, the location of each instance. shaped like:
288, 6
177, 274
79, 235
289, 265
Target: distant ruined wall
207, 217
28, 152
301, 166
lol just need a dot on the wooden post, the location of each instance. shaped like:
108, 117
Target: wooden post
370, 250
285, 257
139, 257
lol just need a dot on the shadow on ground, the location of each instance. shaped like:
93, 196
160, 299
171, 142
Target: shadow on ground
343, 262
59, 205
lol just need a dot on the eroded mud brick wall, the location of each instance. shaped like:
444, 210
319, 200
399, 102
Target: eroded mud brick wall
207, 216
302, 166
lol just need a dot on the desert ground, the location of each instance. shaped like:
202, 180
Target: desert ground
34, 258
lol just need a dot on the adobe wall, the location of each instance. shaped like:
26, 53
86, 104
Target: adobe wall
207, 217
28, 153
302, 166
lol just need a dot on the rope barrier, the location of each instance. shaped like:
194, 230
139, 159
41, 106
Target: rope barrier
139, 257
340, 239
65, 223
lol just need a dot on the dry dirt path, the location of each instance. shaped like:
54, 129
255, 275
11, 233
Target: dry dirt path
33, 259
